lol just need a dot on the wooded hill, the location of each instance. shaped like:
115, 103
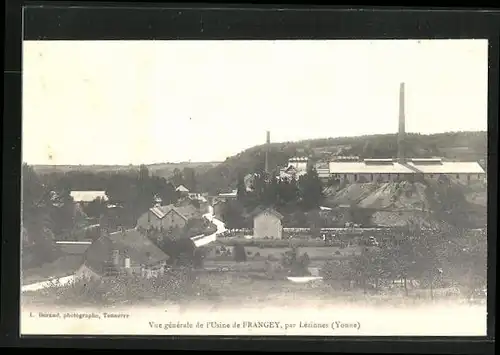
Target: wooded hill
165, 170
460, 146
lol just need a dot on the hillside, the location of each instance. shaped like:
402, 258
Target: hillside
161, 169
466, 146
394, 203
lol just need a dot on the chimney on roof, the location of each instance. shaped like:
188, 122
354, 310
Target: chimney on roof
401, 132
268, 142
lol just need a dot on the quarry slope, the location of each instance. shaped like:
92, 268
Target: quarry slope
394, 203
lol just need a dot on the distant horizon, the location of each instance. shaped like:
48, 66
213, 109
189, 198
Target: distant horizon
281, 142
127, 102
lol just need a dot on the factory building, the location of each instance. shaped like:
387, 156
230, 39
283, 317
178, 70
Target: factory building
352, 169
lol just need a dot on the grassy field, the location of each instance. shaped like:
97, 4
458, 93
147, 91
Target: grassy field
233, 288
274, 243
64, 266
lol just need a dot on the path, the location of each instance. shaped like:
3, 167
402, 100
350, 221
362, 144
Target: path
44, 284
206, 239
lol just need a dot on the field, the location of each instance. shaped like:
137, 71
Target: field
270, 243
236, 288
256, 254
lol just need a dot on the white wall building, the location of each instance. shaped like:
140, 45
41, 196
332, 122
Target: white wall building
267, 224
385, 170
299, 163
369, 170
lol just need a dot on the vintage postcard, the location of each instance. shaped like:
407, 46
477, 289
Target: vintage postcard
289, 187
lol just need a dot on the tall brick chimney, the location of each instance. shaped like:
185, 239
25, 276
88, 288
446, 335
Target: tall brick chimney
401, 131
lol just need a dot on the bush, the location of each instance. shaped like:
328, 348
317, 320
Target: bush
239, 253
173, 285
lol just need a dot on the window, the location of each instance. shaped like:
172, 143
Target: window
457, 176
371, 177
479, 176
431, 176
355, 177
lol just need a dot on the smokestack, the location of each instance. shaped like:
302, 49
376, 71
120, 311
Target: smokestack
268, 141
401, 132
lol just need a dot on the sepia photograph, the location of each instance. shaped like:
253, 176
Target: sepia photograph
254, 187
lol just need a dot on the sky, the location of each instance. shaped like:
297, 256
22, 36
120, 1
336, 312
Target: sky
143, 102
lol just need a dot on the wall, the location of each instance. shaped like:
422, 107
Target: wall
149, 219
267, 225
364, 177
463, 178
173, 220
300, 166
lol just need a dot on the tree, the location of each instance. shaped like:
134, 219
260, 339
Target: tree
232, 214
33, 190
199, 256
400, 261
311, 189
177, 178
315, 223
296, 264
361, 216
182, 251
37, 220
145, 192
241, 189
288, 191
189, 177
338, 272
239, 253
164, 190
96, 208
62, 213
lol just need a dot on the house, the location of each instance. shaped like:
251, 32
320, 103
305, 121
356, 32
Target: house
385, 170
84, 197
229, 195
199, 203
291, 172
196, 196
267, 223
249, 181
122, 252
182, 190
168, 217
299, 163
295, 168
